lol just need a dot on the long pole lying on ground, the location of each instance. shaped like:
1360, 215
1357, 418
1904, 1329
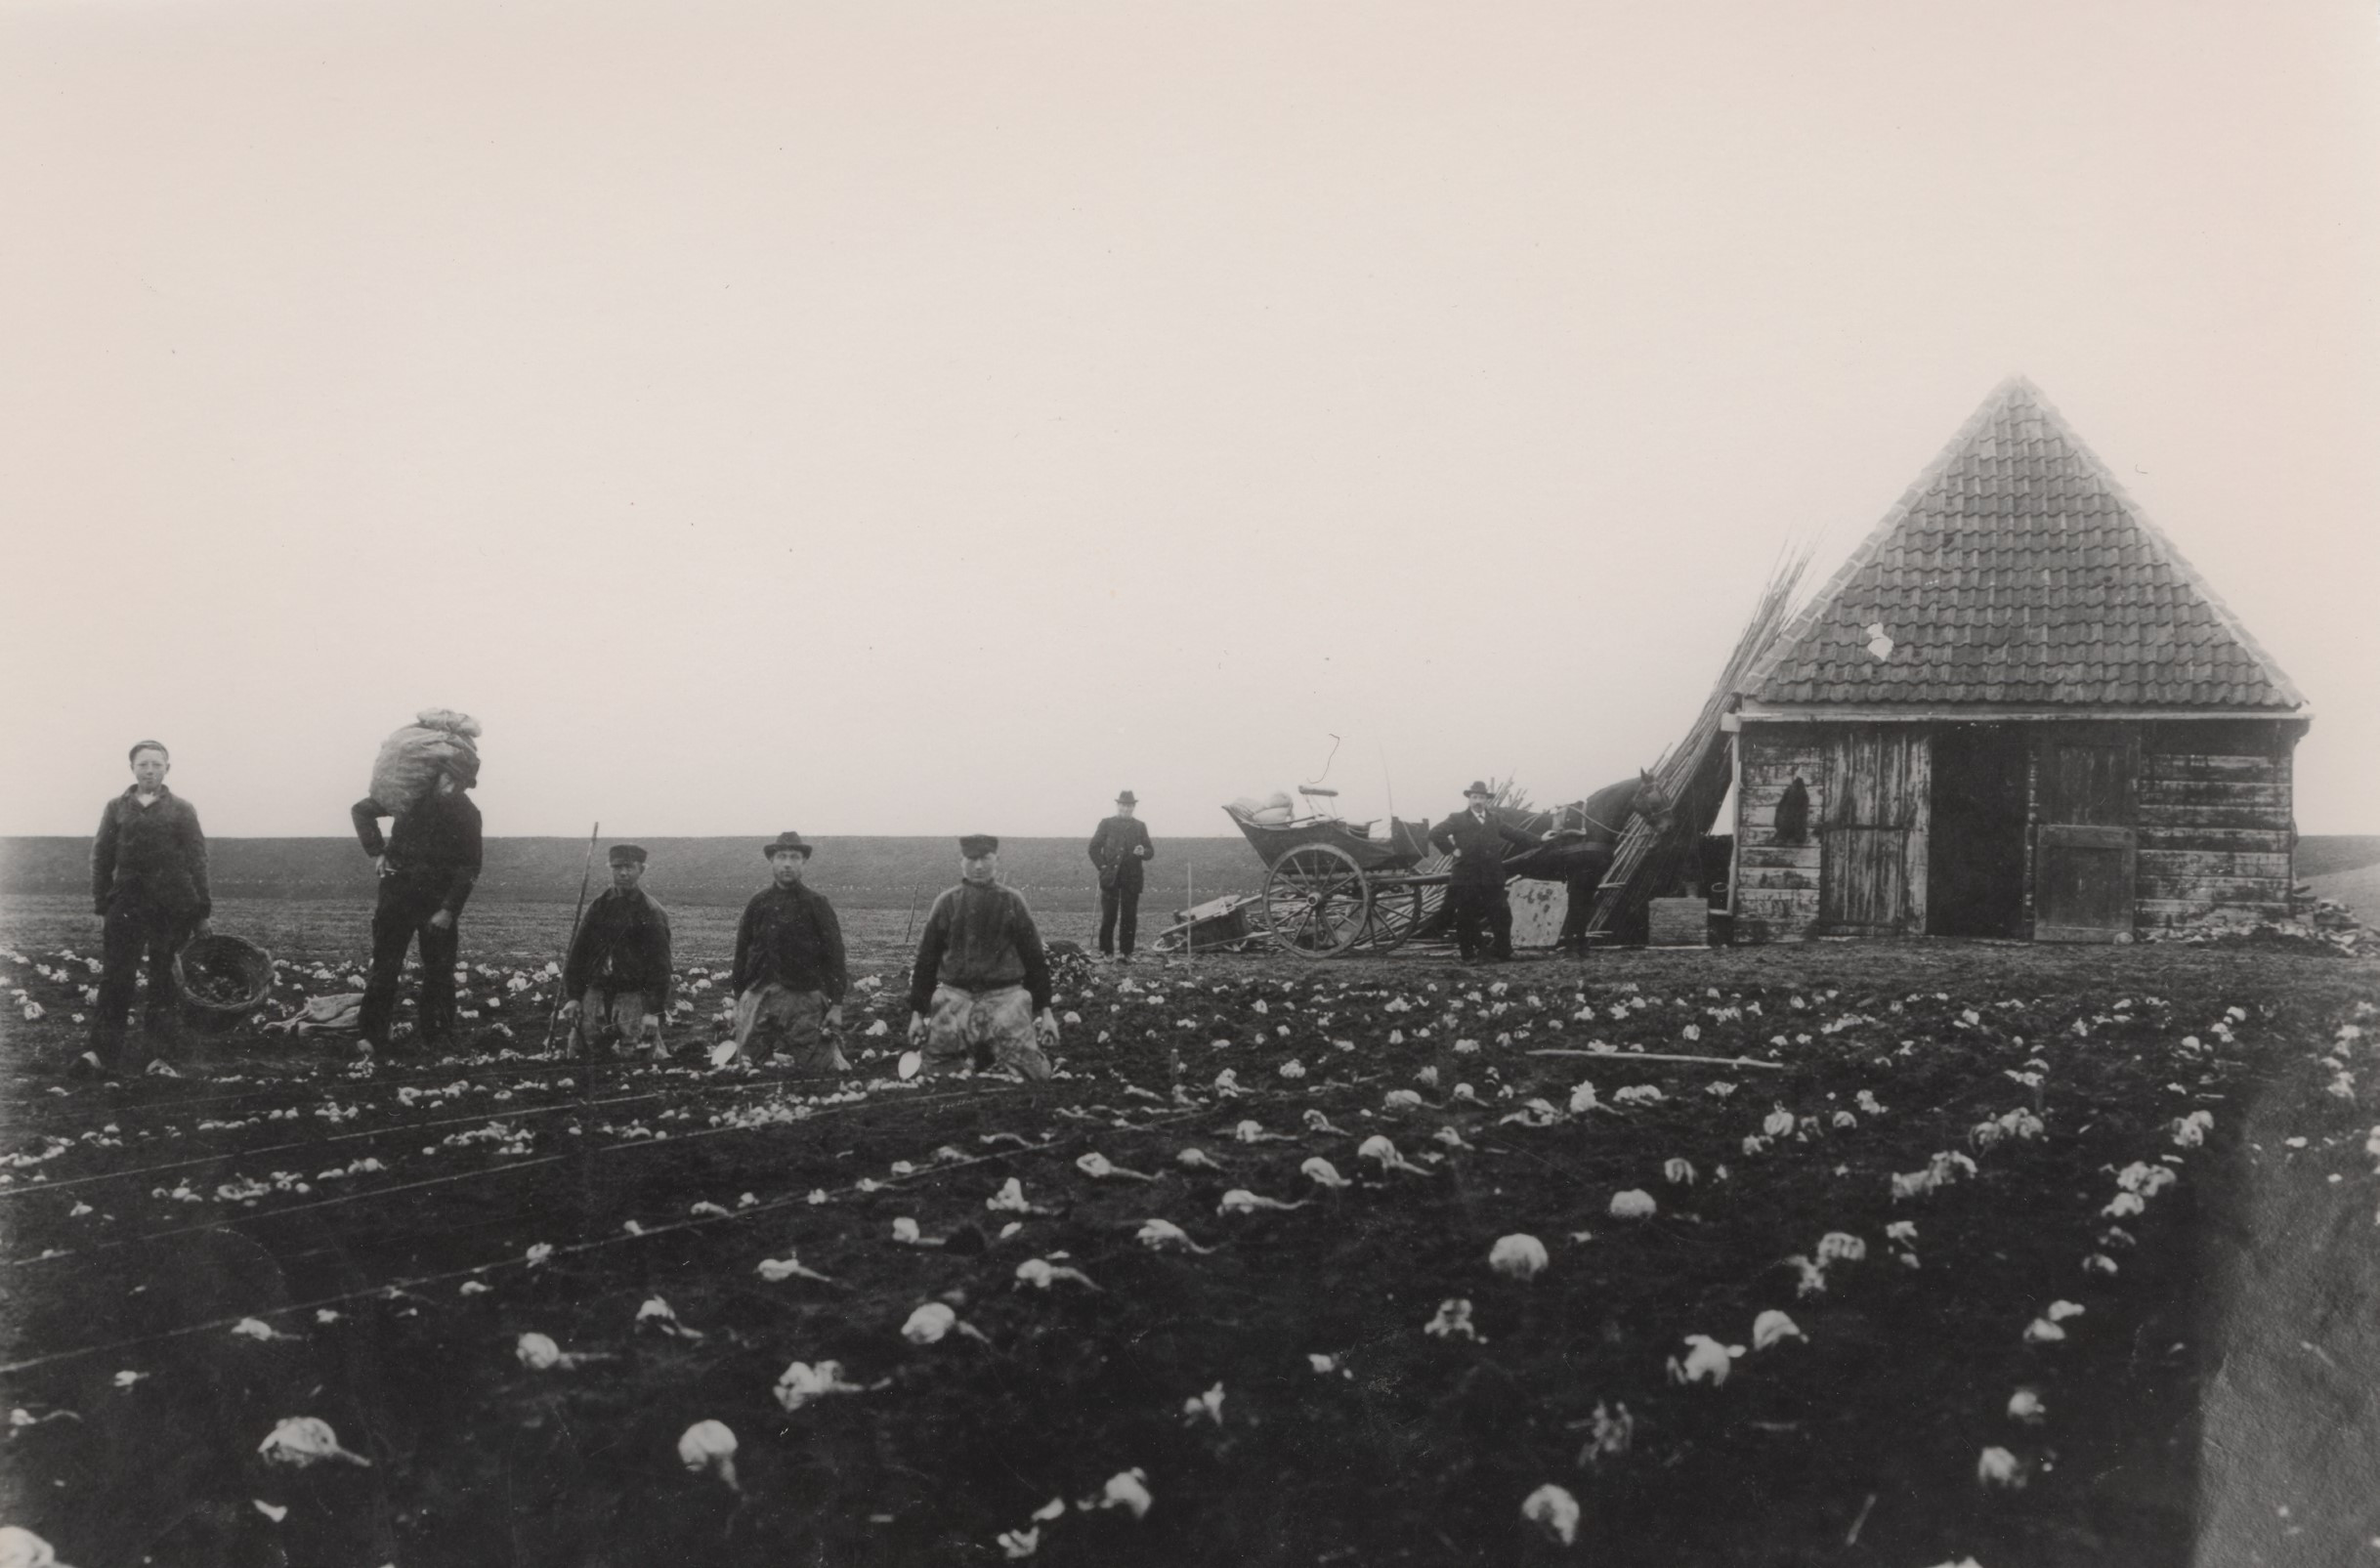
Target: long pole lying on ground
1656, 1056
586, 876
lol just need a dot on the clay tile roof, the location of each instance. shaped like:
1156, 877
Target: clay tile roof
2017, 571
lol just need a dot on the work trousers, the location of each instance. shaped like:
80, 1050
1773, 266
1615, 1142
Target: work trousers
614, 1020
986, 1027
1580, 908
134, 929
1478, 904
399, 920
1119, 918
774, 1018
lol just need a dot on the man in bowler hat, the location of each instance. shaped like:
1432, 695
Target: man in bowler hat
980, 990
617, 976
1120, 848
1478, 838
789, 975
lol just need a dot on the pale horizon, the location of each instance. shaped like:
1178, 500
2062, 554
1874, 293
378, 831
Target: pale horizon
912, 419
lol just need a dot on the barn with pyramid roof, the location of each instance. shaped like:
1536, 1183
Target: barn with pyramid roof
2015, 711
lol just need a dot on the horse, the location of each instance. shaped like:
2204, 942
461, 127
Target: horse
1579, 841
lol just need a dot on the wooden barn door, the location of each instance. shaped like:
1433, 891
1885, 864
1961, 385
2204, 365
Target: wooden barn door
2087, 843
1872, 846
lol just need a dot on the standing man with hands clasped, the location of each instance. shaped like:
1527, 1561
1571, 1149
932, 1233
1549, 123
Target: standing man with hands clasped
1476, 837
1120, 848
149, 885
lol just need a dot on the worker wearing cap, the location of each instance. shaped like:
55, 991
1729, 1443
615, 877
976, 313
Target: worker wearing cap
428, 865
1120, 848
617, 976
1477, 837
789, 975
148, 884
980, 990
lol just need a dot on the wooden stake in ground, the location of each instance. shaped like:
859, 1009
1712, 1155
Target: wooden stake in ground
585, 875
1656, 1056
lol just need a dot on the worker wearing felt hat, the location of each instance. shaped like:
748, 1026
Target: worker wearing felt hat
980, 991
617, 977
790, 974
1477, 837
1119, 848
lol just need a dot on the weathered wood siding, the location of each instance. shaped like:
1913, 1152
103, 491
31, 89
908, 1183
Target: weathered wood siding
1776, 897
2217, 825
1879, 810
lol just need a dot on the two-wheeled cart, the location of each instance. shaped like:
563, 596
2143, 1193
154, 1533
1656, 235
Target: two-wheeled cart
1334, 887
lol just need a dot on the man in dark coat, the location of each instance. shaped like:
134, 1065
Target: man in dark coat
980, 990
790, 974
617, 976
149, 885
1120, 848
1476, 837
427, 864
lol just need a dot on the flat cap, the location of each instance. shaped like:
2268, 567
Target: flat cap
626, 854
973, 845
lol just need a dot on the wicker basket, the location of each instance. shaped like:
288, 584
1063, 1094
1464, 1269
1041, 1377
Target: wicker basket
217, 963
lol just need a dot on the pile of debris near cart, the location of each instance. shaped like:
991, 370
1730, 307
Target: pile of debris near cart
2313, 924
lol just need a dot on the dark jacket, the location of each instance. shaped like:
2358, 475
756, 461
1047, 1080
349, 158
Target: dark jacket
437, 842
1482, 845
622, 945
979, 937
1111, 850
789, 936
155, 854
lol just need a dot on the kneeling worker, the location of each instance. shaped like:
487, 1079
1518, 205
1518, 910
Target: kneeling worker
617, 978
789, 977
981, 986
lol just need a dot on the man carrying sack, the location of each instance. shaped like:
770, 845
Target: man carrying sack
1120, 848
980, 990
149, 885
789, 976
1476, 837
617, 976
427, 864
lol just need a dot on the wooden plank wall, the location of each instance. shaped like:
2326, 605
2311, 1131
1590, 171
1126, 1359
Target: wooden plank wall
1776, 883
2217, 824
1872, 857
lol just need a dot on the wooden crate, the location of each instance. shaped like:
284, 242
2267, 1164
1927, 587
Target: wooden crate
1678, 923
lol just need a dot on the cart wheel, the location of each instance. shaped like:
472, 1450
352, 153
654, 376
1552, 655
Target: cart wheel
1397, 912
1316, 900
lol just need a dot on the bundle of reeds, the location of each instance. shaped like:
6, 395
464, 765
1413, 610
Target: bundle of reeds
1695, 774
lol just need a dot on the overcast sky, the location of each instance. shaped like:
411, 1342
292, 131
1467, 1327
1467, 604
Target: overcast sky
899, 418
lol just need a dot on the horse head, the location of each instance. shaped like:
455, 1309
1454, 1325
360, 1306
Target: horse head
1653, 803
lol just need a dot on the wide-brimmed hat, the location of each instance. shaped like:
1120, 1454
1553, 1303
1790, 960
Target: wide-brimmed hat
788, 839
976, 845
1127, 798
1479, 789
626, 854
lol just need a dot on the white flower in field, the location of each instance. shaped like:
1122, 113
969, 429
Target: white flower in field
1010, 1199
1378, 1149
1583, 1098
1040, 1274
1677, 1172
1997, 1467
1196, 1160
1841, 1247
1464, 1093
1401, 1100
1254, 1133
1427, 1078
2099, 1263
1452, 1322
1209, 1405
1321, 1363
302, 1440
802, 1382
2123, 1205
1842, 1120
20, 1547
2041, 1331
1778, 1123
275, 1512
1157, 1234
2060, 1311
904, 1231
1017, 1545
1240, 1200
1095, 1165
1901, 1230
1633, 1204
1127, 1489
1637, 1095
1554, 1511
709, 1447
1316, 1121
538, 1353
540, 1253
1449, 1137
1324, 1173
2026, 1406
2190, 1131
1518, 1257
1867, 1102
259, 1330
1706, 1361
1613, 1434
879, 1030
1720, 1090
929, 1324
777, 1270
1291, 1069
1771, 1328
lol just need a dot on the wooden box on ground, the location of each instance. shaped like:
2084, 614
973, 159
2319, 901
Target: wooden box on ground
1678, 923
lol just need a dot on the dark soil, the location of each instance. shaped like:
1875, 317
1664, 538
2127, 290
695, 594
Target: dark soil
144, 1220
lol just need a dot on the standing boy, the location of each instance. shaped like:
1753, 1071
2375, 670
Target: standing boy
790, 978
149, 885
427, 865
617, 977
1476, 837
980, 989
1120, 848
